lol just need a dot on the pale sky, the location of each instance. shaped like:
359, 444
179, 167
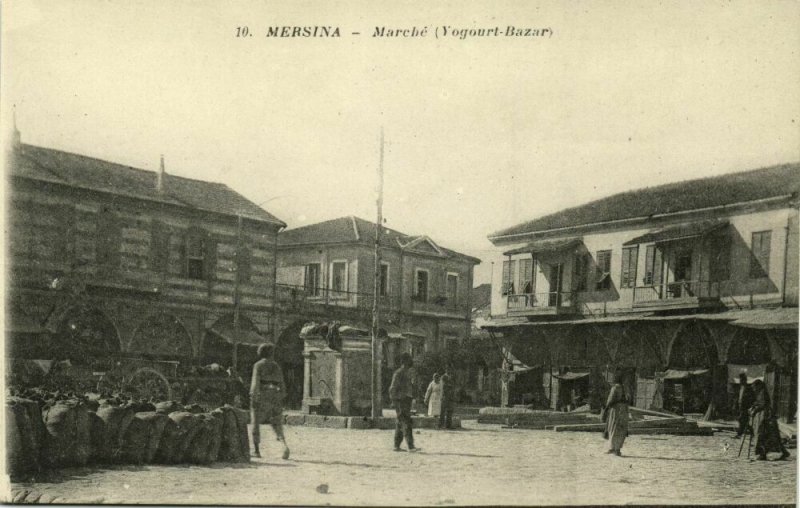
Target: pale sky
481, 133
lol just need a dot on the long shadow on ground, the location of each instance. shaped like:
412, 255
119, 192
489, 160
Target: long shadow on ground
342, 463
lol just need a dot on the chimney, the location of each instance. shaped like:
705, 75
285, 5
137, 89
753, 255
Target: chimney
160, 177
16, 137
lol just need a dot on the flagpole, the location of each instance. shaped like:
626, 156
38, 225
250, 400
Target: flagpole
377, 406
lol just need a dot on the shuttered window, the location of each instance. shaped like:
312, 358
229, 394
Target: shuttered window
312, 279
581, 271
603, 272
630, 258
652, 266
525, 285
339, 278
421, 286
452, 288
383, 282
108, 240
759, 257
195, 256
508, 277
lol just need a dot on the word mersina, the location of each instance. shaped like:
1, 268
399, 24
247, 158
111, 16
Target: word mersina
303, 31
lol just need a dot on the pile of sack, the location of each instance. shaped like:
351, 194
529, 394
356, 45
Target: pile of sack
75, 431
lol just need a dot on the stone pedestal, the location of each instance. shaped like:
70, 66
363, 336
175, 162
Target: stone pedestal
337, 382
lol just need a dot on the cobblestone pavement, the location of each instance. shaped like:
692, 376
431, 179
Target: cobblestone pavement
481, 465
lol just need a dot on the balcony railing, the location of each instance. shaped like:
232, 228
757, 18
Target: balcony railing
539, 301
684, 290
299, 295
439, 304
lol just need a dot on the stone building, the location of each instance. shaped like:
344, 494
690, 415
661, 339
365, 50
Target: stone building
109, 261
326, 273
681, 285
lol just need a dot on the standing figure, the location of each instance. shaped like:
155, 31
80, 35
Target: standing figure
765, 428
617, 415
743, 403
433, 396
448, 401
267, 392
401, 393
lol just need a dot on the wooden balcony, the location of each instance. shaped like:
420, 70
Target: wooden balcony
677, 295
541, 304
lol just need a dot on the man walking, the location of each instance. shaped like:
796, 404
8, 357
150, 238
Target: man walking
401, 393
743, 403
448, 402
267, 391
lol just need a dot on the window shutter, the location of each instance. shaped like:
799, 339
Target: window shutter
182, 252
159, 246
209, 258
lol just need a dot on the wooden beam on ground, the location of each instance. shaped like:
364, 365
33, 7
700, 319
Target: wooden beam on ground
650, 412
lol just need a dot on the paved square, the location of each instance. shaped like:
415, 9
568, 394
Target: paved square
481, 465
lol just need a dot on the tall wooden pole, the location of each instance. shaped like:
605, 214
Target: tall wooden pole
377, 405
236, 291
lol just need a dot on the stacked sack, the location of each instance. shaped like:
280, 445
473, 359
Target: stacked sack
65, 431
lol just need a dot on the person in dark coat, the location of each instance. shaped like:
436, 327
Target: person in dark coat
448, 402
267, 391
743, 403
402, 394
765, 427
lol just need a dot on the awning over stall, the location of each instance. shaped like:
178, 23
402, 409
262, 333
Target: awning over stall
228, 334
679, 232
545, 246
782, 318
673, 374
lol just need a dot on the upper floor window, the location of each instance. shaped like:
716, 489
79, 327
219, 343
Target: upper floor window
652, 266
602, 279
581, 271
508, 277
195, 256
339, 278
383, 280
759, 254
421, 286
525, 285
108, 240
630, 259
312, 280
452, 288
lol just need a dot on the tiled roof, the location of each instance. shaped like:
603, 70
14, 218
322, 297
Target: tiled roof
352, 230
683, 196
66, 168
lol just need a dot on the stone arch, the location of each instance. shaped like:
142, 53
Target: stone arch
162, 334
692, 346
217, 343
84, 331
